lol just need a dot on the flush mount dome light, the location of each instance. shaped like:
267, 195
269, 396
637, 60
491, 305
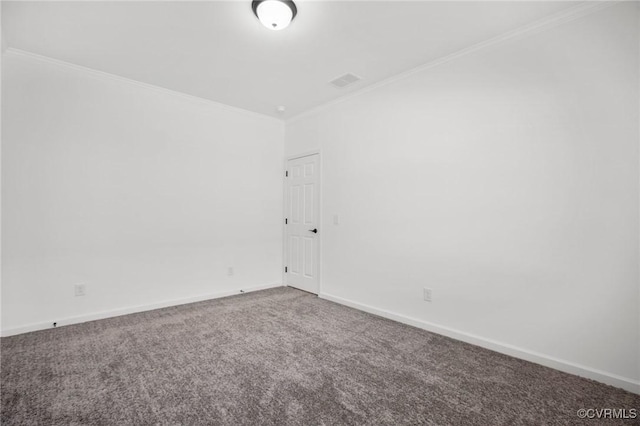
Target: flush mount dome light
274, 14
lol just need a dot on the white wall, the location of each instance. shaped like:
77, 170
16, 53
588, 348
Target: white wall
2, 50
146, 197
506, 181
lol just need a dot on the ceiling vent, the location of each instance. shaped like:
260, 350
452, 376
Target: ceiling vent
344, 80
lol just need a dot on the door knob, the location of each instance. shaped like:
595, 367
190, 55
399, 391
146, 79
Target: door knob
314, 230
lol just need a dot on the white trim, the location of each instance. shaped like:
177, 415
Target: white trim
504, 348
113, 77
302, 155
130, 310
536, 27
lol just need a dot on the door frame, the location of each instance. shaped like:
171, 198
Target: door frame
285, 183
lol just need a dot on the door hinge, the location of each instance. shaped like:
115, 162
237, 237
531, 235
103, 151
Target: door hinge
286, 221
285, 269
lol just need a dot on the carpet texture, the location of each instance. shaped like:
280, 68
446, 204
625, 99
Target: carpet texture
279, 357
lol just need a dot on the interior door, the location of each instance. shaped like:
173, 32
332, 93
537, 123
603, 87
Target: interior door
301, 223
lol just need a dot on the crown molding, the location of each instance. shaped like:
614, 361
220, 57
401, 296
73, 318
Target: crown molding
565, 16
124, 80
562, 17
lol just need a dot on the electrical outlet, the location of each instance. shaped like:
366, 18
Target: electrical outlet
230, 271
427, 294
80, 290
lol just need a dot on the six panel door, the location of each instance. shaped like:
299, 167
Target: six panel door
302, 204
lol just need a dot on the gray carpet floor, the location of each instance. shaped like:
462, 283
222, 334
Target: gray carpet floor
278, 357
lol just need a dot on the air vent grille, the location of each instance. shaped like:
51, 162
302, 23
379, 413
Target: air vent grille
344, 80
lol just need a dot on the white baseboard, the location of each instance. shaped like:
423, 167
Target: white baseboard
504, 348
129, 310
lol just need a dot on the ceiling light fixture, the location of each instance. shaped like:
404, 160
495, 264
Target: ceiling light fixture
274, 14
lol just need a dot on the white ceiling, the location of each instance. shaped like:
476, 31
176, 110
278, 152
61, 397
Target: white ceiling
218, 50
